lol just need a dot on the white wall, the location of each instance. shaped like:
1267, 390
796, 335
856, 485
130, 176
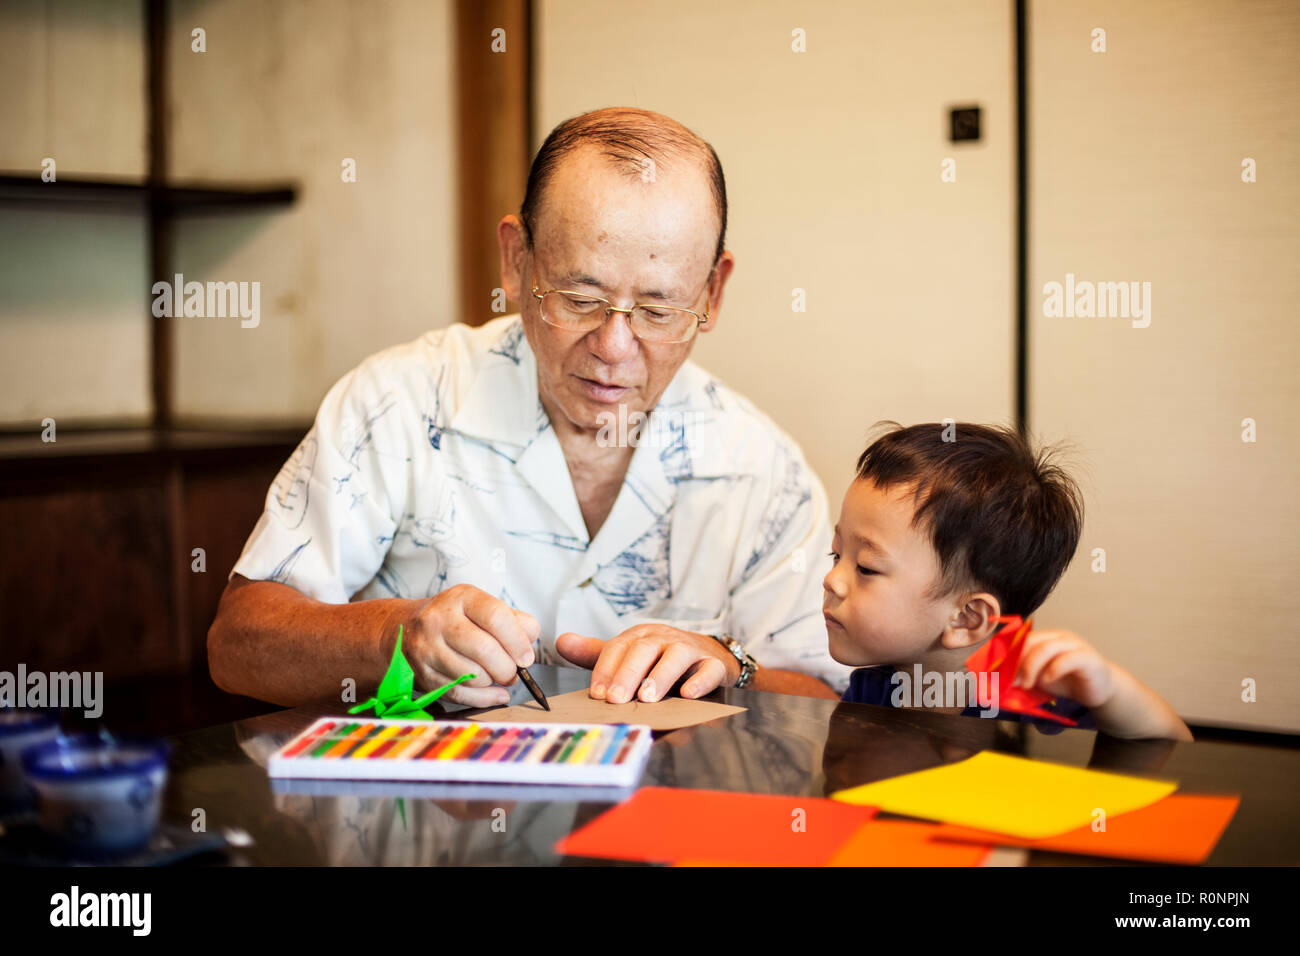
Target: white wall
832, 160
285, 91
74, 332
1136, 175
73, 75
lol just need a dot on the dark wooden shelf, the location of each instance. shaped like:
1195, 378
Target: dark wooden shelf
177, 197
84, 454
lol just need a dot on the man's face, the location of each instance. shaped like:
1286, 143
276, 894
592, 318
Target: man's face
606, 234
876, 597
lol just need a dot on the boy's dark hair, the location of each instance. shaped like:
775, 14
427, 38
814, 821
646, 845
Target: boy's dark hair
1002, 517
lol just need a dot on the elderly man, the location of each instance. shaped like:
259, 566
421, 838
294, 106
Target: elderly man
565, 471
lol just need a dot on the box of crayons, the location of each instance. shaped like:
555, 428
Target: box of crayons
452, 750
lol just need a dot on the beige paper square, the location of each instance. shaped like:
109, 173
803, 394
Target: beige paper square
576, 707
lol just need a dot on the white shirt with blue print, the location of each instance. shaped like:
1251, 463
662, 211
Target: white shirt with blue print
433, 464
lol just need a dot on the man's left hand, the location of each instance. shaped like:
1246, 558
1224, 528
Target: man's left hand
645, 661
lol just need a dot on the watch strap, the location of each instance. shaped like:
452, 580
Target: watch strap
748, 666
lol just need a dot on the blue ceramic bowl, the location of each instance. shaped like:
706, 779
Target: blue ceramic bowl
98, 795
21, 728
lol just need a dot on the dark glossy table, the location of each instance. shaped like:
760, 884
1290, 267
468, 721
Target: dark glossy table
781, 744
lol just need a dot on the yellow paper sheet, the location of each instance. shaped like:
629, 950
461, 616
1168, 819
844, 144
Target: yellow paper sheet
1008, 794
577, 707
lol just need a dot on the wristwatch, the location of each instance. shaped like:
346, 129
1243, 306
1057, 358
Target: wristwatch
748, 666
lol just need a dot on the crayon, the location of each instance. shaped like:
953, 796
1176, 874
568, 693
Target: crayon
487, 743
310, 739
530, 745
475, 742
412, 741
588, 744
372, 743
500, 746
396, 740
331, 739
557, 747
519, 742
453, 734
350, 741
619, 733
361, 741
627, 746
572, 745
430, 746
540, 746
459, 743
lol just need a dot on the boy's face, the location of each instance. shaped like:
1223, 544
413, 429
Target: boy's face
876, 598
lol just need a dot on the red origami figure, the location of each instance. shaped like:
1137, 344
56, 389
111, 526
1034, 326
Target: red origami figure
1001, 655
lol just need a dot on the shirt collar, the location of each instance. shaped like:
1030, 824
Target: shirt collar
501, 405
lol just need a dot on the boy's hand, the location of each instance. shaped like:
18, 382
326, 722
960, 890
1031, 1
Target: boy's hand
1063, 664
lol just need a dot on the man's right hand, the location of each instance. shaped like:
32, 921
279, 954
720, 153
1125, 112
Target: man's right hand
466, 631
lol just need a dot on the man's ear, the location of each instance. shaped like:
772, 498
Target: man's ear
721, 272
972, 620
512, 240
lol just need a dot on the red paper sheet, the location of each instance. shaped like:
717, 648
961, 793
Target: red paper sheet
668, 825
1180, 828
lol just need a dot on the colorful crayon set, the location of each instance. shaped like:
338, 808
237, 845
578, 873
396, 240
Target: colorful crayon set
357, 749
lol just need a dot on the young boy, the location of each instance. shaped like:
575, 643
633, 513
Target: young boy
938, 538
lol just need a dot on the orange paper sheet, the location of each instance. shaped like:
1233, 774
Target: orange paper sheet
891, 843
668, 825
1181, 828
899, 843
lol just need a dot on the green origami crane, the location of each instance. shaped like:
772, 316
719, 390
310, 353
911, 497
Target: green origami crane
393, 698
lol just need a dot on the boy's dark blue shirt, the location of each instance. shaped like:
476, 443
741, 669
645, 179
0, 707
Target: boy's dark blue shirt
873, 685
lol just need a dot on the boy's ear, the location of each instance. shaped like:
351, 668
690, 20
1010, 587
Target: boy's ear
972, 620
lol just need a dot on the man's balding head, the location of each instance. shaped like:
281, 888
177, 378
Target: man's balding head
627, 138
